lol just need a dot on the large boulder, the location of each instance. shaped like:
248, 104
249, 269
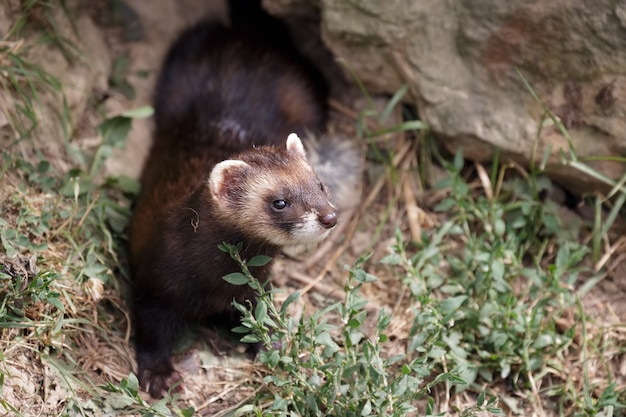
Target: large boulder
461, 60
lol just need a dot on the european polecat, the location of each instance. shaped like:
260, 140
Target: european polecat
224, 167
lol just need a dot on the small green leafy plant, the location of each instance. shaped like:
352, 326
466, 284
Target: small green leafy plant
325, 369
494, 282
125, 398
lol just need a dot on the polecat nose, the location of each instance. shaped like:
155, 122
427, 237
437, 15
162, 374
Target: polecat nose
328, 220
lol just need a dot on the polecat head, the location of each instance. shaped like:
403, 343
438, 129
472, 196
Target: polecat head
273, 194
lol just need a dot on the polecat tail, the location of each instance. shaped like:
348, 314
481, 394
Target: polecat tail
249, 17
247, 11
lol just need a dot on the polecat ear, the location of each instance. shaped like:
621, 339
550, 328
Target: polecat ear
294, 144
226, 180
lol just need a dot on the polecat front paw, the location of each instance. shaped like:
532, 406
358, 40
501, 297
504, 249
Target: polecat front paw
157, 382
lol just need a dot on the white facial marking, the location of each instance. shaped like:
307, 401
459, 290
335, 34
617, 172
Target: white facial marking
309, 230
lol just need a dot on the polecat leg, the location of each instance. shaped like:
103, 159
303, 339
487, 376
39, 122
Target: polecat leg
156, 330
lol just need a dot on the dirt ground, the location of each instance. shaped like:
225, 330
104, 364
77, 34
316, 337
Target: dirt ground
213, 383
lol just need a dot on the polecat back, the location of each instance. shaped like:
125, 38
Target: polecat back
223, 167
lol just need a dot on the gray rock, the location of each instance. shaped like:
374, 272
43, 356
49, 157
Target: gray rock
460, 59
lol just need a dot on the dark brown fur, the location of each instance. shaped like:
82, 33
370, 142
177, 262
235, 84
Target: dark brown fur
221, 92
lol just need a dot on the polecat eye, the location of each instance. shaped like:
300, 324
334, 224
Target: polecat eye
279, 204
321, 186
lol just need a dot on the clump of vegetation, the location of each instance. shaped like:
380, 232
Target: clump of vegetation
494, 304
61, 236
324, 369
